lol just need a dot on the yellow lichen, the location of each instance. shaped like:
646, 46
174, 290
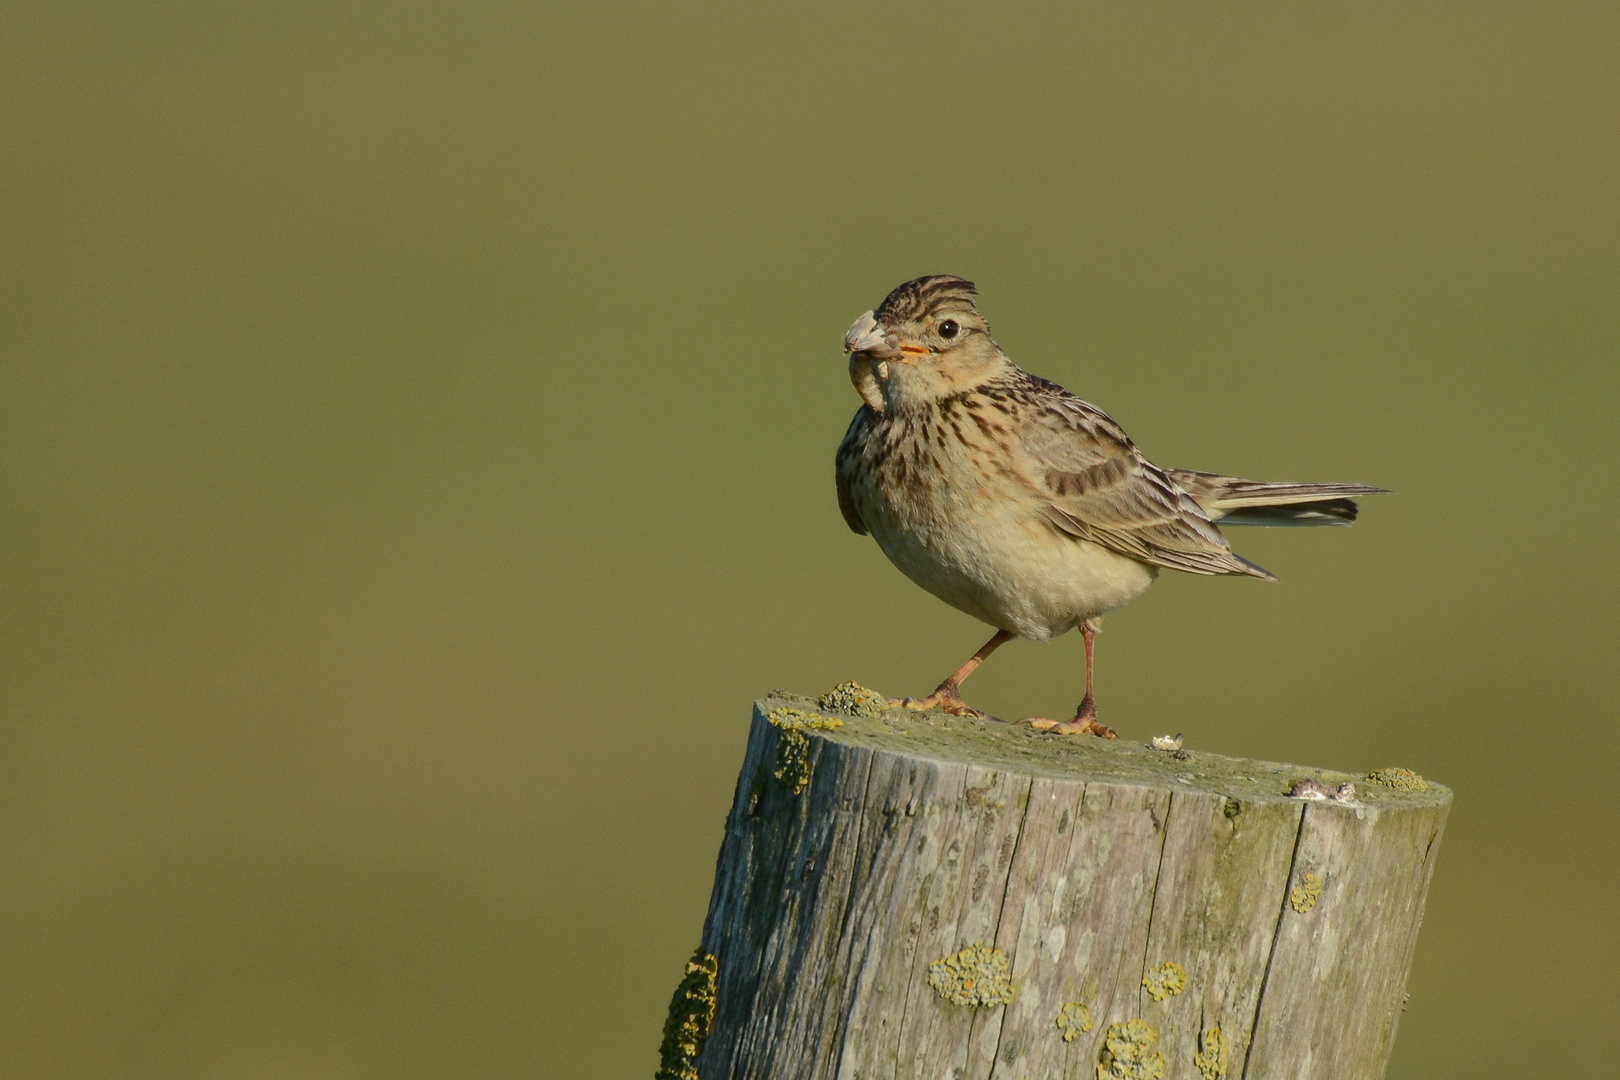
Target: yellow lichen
1074, 1020
853, 699
1125, 1054
1217, 1048
691, 1016
1399, 779
793, 755
1166, 979
978, 975
1306, 893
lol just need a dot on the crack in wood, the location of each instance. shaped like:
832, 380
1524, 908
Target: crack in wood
1271, 954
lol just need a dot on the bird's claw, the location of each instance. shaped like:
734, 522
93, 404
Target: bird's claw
1080, 725
943, 699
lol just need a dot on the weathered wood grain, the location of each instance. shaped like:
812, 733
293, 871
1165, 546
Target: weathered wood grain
1095, 868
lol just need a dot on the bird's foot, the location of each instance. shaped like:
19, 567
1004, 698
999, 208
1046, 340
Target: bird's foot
1086, 726
946, 699
1084, 723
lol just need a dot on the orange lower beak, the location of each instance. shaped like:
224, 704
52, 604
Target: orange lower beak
914, 351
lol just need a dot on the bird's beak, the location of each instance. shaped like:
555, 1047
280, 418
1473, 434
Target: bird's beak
866, 336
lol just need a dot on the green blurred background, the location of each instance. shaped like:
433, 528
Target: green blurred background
417, 428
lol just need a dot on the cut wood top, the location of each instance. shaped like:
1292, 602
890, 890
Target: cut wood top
1019, 748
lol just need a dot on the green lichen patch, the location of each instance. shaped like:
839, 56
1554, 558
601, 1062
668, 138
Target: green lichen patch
1399, 779
756, 789
1217, 1049
793, 756
977, 976
1167, 979
1127, 1052
1306, 893
691, 1015
1074, 1020
853, 699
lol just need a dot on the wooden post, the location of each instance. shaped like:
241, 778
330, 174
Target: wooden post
905, 895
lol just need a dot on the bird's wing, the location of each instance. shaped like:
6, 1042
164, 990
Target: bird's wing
1097, 486
847, 461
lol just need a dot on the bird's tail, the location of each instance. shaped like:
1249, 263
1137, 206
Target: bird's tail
1231, 501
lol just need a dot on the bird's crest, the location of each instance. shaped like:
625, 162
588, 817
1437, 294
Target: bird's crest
924, 296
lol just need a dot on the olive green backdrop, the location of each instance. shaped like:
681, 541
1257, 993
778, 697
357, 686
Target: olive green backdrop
417, 428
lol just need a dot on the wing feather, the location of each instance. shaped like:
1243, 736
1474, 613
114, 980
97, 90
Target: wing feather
845, 465
1100, 488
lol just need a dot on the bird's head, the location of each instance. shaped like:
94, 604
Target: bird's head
925, 341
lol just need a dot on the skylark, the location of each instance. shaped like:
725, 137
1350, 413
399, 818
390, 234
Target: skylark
1011, 499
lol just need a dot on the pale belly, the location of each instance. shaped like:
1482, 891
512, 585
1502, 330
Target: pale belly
1016, 575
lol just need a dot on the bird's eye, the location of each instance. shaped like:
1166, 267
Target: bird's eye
948, 329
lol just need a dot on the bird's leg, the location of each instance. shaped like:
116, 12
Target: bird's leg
1085, 717
946, 695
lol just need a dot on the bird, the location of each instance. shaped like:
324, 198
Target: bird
1013, 500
